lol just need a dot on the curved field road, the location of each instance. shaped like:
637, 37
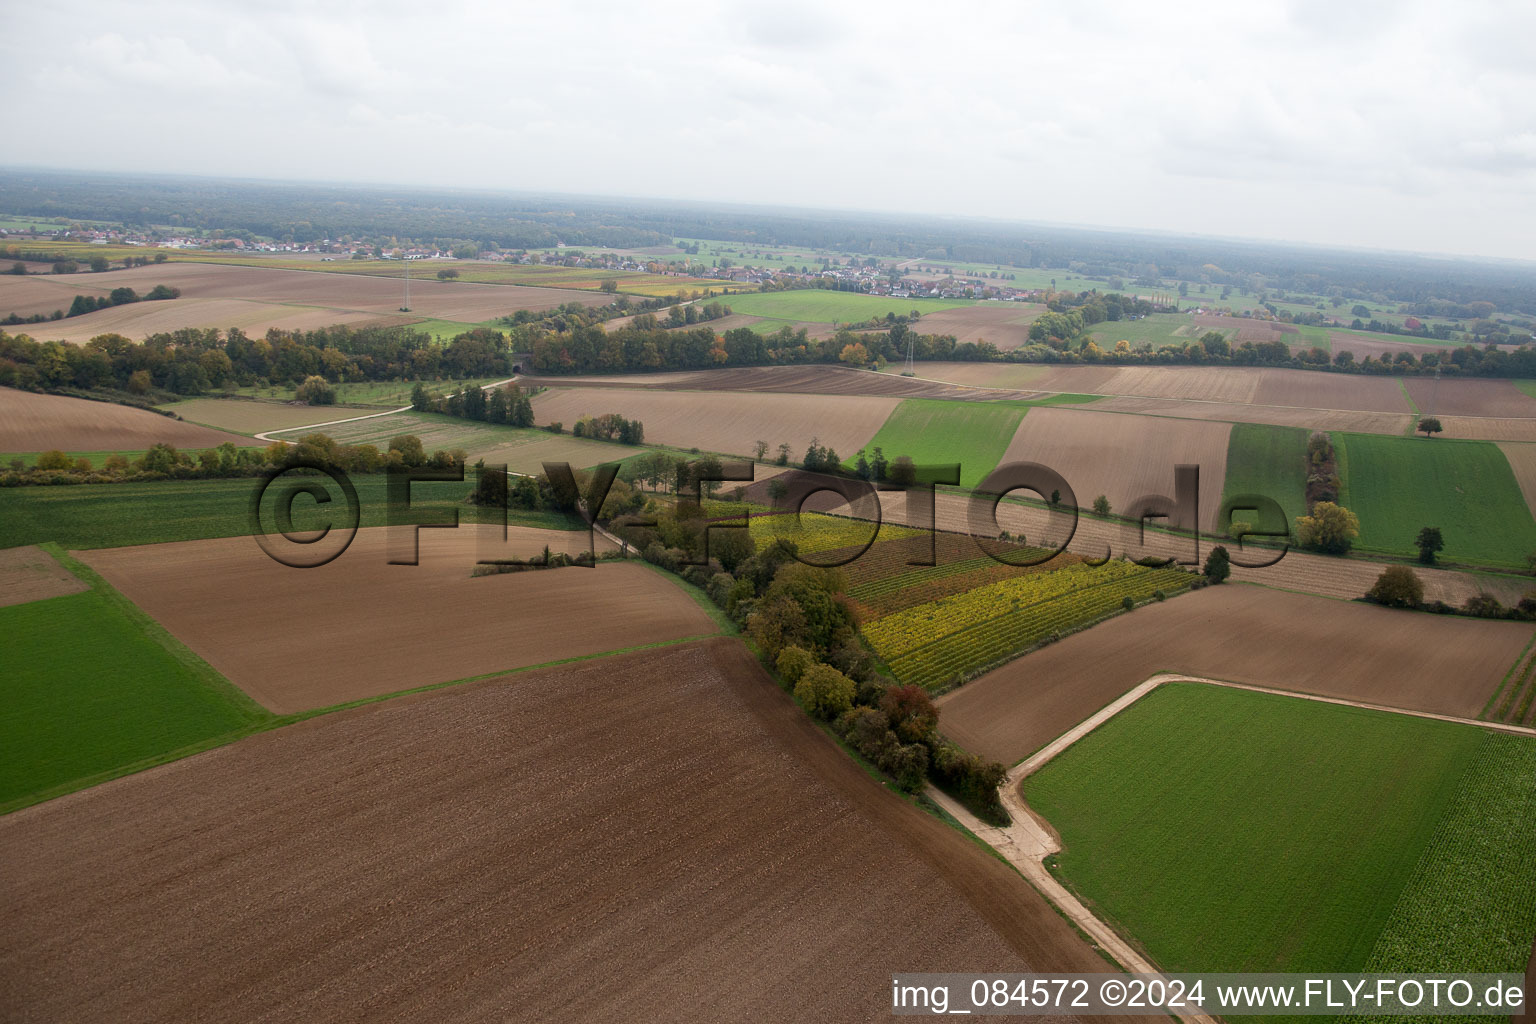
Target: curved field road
1029, 840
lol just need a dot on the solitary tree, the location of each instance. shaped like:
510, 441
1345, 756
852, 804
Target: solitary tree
1330, 528
1430, 426
447, 274
1218, 564
760, 451
1397, 587
1429, 542
1101, 505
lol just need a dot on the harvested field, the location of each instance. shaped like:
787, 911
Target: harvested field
1361, 346
1522, 461
254, 298
602, 841
45, 292
360, 627
1123, 457
1004, 324
139, 320
1409, 660
31, 422
810, 380
731, 423
1313, 389
245, 416
31, 574
521, 449
1496, 398
1215, 321
1280, 416
1488, 428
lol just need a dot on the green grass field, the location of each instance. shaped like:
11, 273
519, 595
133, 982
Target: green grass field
117, 515
817, 305
1227, 830
1396, 485
1158, 330
93, 688
1271, 461
931, 431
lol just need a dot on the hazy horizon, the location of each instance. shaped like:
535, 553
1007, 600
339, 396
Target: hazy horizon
1377, 127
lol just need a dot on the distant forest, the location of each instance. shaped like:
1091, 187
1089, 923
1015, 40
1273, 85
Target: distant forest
309, 212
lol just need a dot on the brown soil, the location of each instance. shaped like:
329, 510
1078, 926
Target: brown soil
810, 380
265, 296
32, 422
1488, 428
296, 639
731, 423
1318, 390
31, 574
1219, 322
1522, 460
1004, 324
1497, 398
655, 836
1283, 416
1123, 457
1410, 660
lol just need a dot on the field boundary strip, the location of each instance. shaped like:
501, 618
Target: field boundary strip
1029, 840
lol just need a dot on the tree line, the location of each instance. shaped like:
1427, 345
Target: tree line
192, 361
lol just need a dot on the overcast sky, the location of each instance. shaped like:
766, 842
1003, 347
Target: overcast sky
1384, 125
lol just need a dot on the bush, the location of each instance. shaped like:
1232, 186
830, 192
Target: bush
1159, 595
792, 663
1397, 587
824, 691
1485, 606
316, 391
1127, 602
54, 459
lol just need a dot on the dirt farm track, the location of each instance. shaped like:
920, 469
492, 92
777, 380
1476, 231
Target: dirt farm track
656, 836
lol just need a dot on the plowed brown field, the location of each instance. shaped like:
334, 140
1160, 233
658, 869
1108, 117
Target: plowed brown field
296, 639
1522, 460
1409, 660
728, 422
255, 298
655, 836
1488, 428
1284, 416
32, 422
1004, 324
809, 380
1123, 457
1470, 398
